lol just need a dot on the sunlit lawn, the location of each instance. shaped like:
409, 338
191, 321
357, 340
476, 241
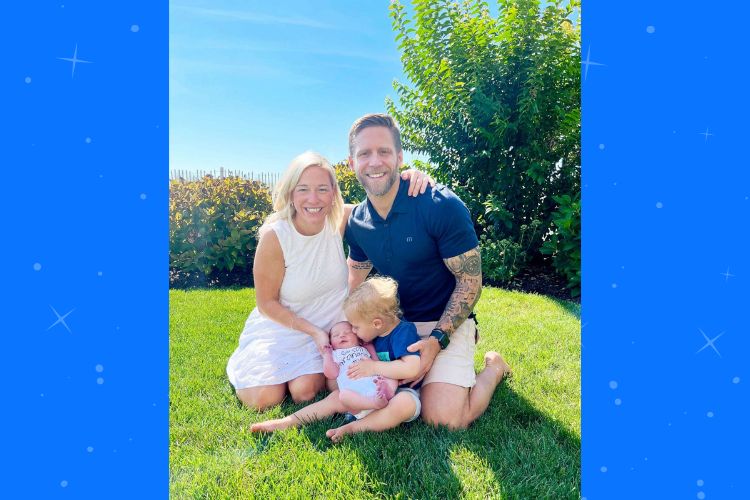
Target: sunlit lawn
527, 445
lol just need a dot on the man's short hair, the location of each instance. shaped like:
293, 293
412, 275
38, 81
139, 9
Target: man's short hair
375, 120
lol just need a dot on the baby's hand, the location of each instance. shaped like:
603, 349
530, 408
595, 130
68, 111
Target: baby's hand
364, 368
327, 349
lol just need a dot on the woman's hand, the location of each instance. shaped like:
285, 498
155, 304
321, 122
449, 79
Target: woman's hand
418, 181
321, 340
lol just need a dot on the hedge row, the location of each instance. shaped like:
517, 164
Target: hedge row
213, 225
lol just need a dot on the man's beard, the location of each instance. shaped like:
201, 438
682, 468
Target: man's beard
372, 189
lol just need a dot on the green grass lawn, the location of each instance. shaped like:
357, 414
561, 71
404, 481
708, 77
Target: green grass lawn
527, 444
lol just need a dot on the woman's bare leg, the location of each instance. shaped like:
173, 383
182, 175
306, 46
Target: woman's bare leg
261, 397
316, 411
306, 387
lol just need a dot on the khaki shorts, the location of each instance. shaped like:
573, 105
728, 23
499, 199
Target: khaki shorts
455, 364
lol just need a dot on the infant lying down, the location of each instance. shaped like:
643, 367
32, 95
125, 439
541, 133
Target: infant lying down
362, 395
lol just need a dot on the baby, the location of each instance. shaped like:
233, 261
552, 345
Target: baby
362, 395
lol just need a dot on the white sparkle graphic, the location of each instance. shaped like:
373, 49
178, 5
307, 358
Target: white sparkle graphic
650, 29
613, 384
88, 140
618, 402
74, 60
143, 196
90, 449
135, 28
614, 285
603, 468
61, 319
588, 62
100, 380
659, 204
27, 79
99, 368
601, 146
727, 275
99, 273
736, 380
706, 133
700, 482
701, 495
710, 342
37, 266
710, 414
64, 483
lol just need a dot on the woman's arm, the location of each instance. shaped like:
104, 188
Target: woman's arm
268, 272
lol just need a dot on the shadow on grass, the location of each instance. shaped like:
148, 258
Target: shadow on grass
570, 307
513, 451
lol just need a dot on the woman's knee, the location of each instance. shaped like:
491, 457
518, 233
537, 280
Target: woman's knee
305, 388
260, 398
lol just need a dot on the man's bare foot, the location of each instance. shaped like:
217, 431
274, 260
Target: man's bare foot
336, 435
384, 389
496, 362
271, 425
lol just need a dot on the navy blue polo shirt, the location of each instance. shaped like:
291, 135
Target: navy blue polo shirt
411, 243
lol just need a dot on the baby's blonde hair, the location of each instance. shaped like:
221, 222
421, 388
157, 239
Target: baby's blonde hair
376, 297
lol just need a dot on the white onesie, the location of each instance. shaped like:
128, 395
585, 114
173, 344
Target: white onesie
344, 358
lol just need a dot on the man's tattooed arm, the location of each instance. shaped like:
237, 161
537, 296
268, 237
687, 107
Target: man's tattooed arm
358, 272
467, 268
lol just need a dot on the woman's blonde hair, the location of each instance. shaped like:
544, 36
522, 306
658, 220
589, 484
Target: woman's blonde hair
375, 298
282, 193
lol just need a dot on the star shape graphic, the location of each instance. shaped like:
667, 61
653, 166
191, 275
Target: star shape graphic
710, 342
706, 133
74, 60
588, 62
727, 275
61, 319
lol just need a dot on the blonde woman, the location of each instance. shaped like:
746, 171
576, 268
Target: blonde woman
301, 275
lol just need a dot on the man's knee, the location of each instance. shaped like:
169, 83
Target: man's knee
445, 406
436, 418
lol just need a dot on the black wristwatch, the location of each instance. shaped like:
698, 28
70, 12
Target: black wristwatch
442, 337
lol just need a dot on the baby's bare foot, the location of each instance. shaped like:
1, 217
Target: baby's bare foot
496, 362
385, 390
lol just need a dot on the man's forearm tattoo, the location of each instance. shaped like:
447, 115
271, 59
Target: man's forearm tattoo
467, 268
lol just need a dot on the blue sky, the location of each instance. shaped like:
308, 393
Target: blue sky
252, 84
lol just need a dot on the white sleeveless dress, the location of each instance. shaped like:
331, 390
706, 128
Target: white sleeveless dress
314, 288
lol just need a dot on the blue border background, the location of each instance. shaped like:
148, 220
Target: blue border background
85, 162
665, 211
85, 158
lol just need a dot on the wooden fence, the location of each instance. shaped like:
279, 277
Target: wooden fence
268, 178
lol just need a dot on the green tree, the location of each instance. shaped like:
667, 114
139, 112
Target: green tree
494, 104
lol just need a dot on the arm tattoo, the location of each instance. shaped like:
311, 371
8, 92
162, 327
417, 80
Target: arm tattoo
467, 268
361, 266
